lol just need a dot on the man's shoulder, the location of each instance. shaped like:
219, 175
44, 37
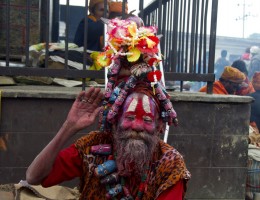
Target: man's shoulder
169, 153
170, 168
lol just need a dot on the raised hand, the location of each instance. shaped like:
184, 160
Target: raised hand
85, 108
82, 114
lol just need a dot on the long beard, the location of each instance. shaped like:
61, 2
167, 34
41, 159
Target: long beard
134, 151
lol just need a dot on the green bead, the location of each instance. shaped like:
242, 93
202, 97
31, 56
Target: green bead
107, 187
139, 194
122, 181
144, 178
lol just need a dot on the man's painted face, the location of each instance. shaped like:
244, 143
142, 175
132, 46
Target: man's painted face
136, 136
139, 114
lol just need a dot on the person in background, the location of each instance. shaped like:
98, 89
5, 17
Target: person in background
254, 62
246, 57
255, 106
246, 87
229, 82
95, 29
220, 64
125, 159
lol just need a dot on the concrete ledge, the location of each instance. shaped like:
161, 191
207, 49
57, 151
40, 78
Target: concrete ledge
56, 92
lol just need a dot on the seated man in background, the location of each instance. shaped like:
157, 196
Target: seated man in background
95, 31
229, 82
125, 159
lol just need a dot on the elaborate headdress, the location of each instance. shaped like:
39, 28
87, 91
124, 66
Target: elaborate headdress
131, 56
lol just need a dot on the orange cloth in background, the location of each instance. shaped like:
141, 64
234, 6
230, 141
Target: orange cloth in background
218, 88
117, 7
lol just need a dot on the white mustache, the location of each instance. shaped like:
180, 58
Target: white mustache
133, 135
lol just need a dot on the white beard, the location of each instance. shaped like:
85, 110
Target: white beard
134, 151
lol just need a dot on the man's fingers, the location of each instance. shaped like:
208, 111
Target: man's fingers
88, 96
94, 95
98, 99
80, 96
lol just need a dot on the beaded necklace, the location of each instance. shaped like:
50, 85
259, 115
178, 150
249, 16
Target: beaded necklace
114, 183
112, 192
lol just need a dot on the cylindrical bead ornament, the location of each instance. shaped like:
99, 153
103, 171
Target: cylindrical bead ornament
106, 168
102, 149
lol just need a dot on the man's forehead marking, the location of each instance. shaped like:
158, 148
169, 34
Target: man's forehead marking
146, 104
144, 101
133, 104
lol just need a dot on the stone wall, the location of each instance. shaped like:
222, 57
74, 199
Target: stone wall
212, 136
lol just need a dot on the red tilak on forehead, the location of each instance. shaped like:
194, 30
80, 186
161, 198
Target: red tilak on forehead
140, 106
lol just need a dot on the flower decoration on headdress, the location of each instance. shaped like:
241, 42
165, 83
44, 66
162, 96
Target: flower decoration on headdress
126, 39
135, 49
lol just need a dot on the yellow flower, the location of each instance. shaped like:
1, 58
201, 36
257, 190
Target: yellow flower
103, 59
132, 28
135, 54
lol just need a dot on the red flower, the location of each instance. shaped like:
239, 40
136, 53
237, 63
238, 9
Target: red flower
142, 43
148, 45
154, 39
151, 61
151, 75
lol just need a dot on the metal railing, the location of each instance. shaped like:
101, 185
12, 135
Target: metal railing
187, 45
189, 36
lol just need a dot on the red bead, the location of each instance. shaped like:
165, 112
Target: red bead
141, 187
110, 157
